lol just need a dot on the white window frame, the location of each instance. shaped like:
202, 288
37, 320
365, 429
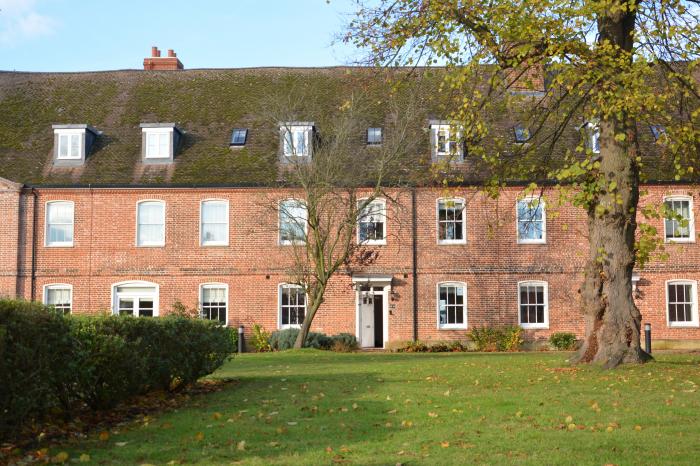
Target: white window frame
449, 141
59, 286
291, 130
213, 285
529, 325
694, 310
136, 284
69, 134
155, 244
437, 308
691, 219
280, 287
377, 242
159, 132
202, 241
282, 242
464, 220
58, 244
543, 205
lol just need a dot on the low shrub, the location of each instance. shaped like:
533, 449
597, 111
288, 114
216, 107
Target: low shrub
344, 343
261, 339
508, 338
281, 340
563, 341
439, 347
413, 347
50, 362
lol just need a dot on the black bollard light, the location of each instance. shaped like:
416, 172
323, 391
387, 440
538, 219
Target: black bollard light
240, 339
647, 337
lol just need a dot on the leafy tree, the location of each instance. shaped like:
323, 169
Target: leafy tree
612, 67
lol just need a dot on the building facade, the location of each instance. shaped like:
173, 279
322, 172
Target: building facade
126, 214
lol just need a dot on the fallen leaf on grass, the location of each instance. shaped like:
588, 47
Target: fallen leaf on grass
241, 446
84, 458
104, 436
445, 444
637, 427
121, 444
60, 458
431, 414
199, 436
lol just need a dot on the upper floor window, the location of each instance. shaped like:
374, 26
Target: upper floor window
158, 144
239, 137
138, 299
522, 133
452, 305
451, 222
72, 143
533, 304
214, 223
59, 296
371, 226
532, 225
681, 303
296, 140
292, 220
214, 302
658, 131
150, 223
446, 141
374, 136
292, 305
593, 137
59, 223
679, 224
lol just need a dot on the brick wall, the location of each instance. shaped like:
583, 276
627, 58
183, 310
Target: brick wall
490, 263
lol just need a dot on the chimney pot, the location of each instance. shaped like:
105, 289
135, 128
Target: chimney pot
158, 63
154, 51
171, 53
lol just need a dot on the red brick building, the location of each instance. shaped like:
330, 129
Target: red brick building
106, 208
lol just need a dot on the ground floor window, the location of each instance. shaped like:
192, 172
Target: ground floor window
138, 299
59, 296
533, 304
292, 305
214, 299
452, 305
681, 297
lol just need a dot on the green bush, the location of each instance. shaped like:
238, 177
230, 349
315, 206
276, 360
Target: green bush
344, 343
261, 339
49, 361
281, 340
563, 341
508, 338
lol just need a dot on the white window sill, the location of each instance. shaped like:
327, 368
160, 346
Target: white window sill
452, 327
372, 243
77, 157
150, 245
157, 156
59, 245
683, 325
292, 243
447, 242
679, 240
532, 241
284, 327
207, 245
534, 326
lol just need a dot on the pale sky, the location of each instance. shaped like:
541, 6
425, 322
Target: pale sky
81, 35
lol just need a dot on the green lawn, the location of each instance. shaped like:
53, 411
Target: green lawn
313, 407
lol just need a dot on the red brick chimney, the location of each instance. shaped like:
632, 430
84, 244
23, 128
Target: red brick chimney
157, 63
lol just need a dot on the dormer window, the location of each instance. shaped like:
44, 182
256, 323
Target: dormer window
159, 142
593, 137
296, 139
72, 143
374, 136
522, 133
658, 131
239, 137
446, 141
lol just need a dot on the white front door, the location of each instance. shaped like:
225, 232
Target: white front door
367, 319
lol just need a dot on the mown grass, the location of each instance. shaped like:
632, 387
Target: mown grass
313, 407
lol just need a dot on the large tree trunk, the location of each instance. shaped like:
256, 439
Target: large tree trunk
309, 318
612, 319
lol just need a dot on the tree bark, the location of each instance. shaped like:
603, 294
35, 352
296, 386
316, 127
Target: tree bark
309, 318
612, 319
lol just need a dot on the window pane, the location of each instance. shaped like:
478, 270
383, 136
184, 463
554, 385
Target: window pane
126, 307
145, 308
163, 148
75, 145
63, 146
60, 222
151, 223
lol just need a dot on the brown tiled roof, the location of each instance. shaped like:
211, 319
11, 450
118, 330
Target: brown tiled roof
206, 104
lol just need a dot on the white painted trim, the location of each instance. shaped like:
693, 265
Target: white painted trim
543, 204
691, 220
464, 221
150, 245
202, 286
158, 131
545, 285
694, 321
280, 286
61, 244
281, 242
65, 133
292, 128
114, 296
201, 222
373, 242
437, 306
58, 286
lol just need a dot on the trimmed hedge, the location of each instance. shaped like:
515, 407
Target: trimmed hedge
52, 362
281, 340
563, 341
